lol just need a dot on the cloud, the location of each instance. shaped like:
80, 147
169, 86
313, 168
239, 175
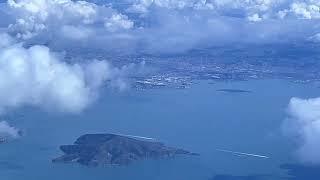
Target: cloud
160, 26
6, 40
266, 9
36, 76
34, 17
118, 21
303, 9
303, 126
8, 132
34, 73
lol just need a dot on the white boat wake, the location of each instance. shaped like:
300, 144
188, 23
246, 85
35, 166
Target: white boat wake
138, 137
243, 153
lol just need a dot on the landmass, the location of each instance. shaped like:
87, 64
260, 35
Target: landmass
234, 90
113, 149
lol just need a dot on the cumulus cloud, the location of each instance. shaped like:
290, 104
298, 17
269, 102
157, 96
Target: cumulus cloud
8, 132
303, 9
265, 9
303, 126
160, 26
49, 16
36, 76
118, 21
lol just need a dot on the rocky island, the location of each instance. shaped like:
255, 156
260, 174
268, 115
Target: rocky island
113, 149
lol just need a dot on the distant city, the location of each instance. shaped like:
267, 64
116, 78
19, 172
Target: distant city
297, 63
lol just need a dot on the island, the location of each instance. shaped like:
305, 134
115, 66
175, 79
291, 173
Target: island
113, 149
234, 90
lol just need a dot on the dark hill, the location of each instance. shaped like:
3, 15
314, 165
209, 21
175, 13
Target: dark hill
103, 149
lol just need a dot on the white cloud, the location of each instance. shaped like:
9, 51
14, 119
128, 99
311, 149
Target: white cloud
303, 126
49, 16
8, 132
117, 22
34, 16
38, 77
255, 18
161, 25
315, 38
308, 9
304, 9
6, 40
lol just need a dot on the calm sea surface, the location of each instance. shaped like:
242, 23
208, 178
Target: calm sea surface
200, 119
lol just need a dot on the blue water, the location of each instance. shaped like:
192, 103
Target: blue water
199, 119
